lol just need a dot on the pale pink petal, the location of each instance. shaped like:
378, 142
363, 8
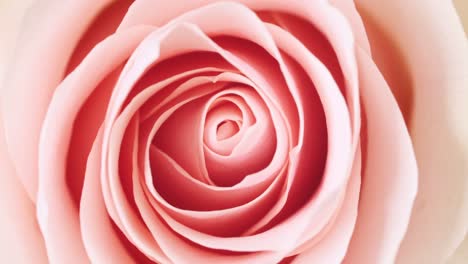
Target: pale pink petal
21, 240
119, 183
115, 145
92, 113
103, 25
194, 189
319, 14
337, 55
209, 63
12, 14
172, 43
57, 213
187, 34
196, 216
99, 238
202, 18
85, 127
183, 251
434, 50
124, 209
224, 170
337, 124
180, 250
298, 222
249, 180
223, 195
332, 246
214, 219
227, 222
167, 55
390, 176
35, 74
227, 119
349, 10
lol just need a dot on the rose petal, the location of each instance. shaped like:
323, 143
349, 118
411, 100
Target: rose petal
103, 25
240, 193
119, 187
337, 120
320, 14
256, 33
192, 47
91, 115
223, 195
31, 81
21, 240
333, 245
85, 128
118, 125
437, 59
169, 68
179, 250
389, 183
337, 55
227, 119
257, 132
300, 222
227, 222
120, 195
100, 240
348, 8
57, 214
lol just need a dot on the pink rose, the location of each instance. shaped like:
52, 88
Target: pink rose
236, 132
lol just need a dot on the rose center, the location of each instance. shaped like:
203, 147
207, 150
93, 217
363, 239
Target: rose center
227, 129
225, 124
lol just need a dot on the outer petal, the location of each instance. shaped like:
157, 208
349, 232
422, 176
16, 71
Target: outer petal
35, 74
432, 43
348, 8
11, 14
389, 183
21, 240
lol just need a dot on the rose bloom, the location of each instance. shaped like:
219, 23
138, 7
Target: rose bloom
259, 131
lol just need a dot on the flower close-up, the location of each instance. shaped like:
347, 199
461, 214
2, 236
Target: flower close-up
246, 131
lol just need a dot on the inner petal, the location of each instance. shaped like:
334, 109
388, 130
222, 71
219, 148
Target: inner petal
217, 197
210, 196
253, 151
227, 129
226, 121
